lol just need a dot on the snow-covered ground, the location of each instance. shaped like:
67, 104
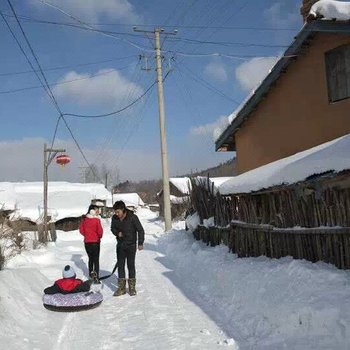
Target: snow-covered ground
190, 296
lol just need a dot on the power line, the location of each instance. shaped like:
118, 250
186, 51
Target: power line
31, 65
119, 123
112, 113
218, 54
47, 89
179, 39
65, 82
68, 66
22, 50
225, 43
204, 83
86, 25
55, 132
35, 58
130, 25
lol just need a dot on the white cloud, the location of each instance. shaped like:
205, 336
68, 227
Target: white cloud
92, 10
211, 129
216, 70
102, 89
249, 74
280, 16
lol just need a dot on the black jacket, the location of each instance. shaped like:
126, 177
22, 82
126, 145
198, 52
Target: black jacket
130, 228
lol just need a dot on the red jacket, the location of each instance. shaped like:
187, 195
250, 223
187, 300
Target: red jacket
68, 284
91, 228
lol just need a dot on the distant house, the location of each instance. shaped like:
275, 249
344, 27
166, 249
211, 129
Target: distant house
180, 188
303, 101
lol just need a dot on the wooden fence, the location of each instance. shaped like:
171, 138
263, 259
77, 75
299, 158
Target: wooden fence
310, 220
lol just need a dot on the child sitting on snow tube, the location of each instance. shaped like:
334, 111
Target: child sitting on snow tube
69, 283
71, 294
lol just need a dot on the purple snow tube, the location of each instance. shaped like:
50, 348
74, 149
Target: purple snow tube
73, 301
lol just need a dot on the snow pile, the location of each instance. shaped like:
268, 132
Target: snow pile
262, 303
193, 221
330, 156
209, 222
64, 199
130, 199
330, 9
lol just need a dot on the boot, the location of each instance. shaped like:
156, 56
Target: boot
132, 286
94, 277
121, 287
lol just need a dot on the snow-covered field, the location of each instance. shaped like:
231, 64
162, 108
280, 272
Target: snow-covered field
190, 296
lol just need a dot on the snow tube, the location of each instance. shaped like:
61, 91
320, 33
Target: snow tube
72, 302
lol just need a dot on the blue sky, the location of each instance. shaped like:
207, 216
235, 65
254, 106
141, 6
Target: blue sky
200, 89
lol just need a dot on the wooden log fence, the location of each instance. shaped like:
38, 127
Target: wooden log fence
309, 220
331, 245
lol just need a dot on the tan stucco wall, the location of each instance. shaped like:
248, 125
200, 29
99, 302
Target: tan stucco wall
296, 114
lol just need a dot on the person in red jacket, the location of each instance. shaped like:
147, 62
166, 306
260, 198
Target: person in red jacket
69, 283
91, 228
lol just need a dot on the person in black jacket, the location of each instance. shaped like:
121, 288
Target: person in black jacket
129, 232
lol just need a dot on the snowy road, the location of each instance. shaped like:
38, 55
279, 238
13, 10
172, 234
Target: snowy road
190, 296
159, 317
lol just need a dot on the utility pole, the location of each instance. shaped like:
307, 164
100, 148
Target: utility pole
165, 172
49, 155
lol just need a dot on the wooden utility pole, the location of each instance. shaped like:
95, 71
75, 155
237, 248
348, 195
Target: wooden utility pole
49, 155
165, 172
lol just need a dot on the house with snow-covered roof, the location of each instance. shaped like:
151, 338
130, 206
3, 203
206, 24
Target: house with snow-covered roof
292, 138
304, 100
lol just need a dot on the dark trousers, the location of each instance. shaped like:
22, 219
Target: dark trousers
93, 252
127, 253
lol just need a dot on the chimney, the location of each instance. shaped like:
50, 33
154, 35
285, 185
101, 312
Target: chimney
305, 8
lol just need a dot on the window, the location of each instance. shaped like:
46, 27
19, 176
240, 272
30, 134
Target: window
338, 73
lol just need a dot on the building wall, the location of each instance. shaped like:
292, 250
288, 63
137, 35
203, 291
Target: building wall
296, 114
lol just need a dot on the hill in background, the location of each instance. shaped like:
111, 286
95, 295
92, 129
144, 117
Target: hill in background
148, 189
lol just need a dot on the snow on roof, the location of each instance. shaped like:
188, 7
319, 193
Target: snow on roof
330, 156
183, 184
130, 199
216, 181
64, 199
331, 9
